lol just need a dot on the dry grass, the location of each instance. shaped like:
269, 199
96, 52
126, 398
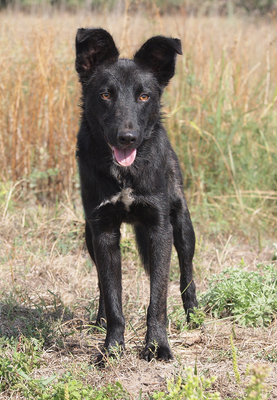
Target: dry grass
220, 109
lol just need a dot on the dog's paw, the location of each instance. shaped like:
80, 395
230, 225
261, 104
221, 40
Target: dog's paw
162, 352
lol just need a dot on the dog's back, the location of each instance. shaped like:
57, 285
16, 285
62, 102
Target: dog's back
130, 173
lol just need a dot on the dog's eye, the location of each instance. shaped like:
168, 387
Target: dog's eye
105, 96
143, 97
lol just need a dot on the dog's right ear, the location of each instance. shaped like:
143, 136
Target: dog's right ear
93, 47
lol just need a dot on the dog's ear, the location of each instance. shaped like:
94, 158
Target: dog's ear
158, 55
93, 47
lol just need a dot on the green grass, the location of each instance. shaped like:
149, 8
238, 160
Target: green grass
250, 297
19, 359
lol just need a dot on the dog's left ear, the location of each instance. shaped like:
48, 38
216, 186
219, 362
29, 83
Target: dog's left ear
93, 47
158, 55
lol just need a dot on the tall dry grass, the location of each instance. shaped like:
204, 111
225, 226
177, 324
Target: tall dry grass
220, 109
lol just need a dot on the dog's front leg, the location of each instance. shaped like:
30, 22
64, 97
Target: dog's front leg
108, 263
160, 246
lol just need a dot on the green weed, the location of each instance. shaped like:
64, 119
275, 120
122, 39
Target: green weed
248, 296
197, 318
18, 358
257, 389
190, 387
178, 317
268, 355
73, 389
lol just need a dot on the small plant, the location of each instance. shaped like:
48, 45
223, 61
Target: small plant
257, 388
68, 387
250, 297
268, 355
178, 318
197, 318
17, 361
115, 353
190, 387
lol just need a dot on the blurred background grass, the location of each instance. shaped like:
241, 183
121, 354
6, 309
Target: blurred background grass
219, 109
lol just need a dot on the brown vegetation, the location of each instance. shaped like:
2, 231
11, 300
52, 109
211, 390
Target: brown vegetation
220, 109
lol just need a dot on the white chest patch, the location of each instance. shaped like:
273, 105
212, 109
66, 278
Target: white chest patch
125, 196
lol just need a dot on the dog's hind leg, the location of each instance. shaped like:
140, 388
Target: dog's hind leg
143, 245
101, 315
184, 242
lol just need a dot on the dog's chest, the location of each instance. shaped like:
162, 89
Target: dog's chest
125, 196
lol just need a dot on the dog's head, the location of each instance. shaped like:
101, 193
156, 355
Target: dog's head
121, 95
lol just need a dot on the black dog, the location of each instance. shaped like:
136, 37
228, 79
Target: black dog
130, 173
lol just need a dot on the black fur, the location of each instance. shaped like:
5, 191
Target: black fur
121, 117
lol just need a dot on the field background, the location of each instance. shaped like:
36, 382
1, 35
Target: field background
220, 113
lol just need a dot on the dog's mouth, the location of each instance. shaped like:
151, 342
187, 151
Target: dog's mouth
124, 157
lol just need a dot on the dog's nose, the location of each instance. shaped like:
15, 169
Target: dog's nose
127, 138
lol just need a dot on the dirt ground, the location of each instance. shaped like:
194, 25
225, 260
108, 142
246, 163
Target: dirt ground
43, 258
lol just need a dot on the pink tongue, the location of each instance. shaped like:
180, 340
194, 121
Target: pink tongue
125, 157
